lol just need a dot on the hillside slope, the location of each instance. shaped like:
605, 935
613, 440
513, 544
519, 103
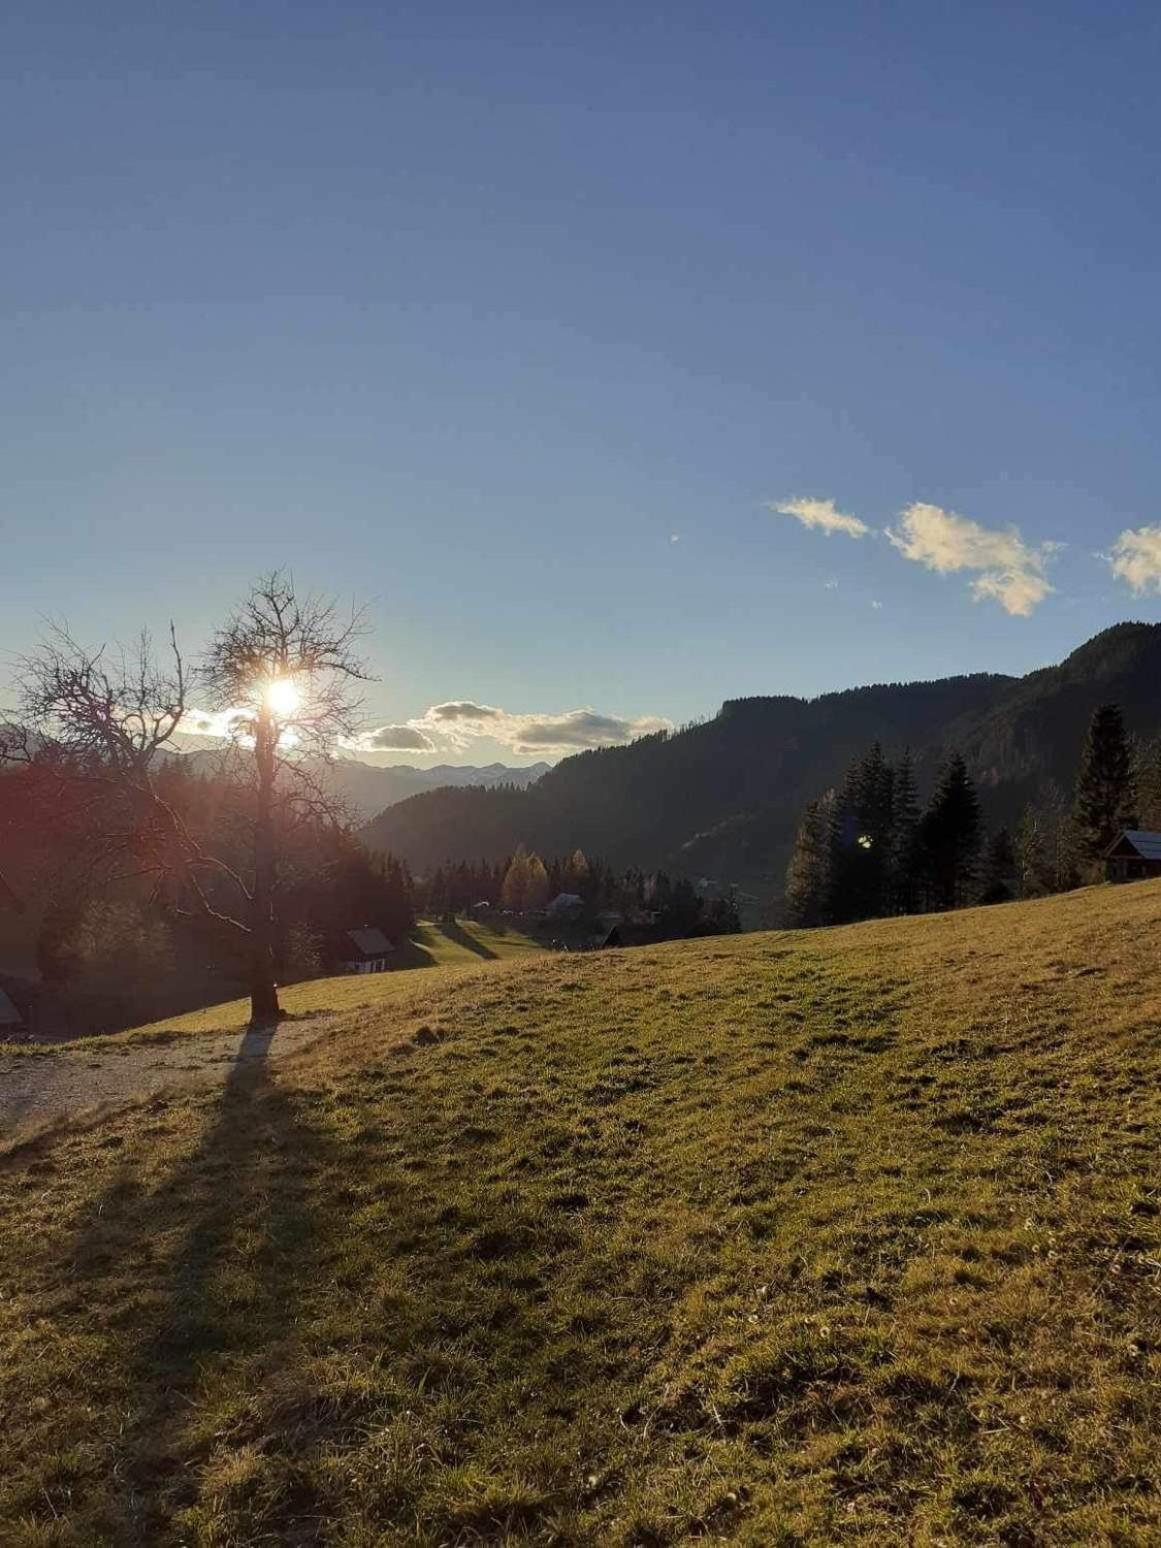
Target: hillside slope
815, 1238
723, 799
367, 788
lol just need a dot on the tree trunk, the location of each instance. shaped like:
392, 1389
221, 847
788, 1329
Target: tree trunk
264, 1006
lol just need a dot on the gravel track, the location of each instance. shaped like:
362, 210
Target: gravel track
40, 1090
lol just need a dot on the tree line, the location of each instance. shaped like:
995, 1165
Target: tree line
653, 904
869, 848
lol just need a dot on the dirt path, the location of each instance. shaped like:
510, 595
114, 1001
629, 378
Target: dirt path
41, 1089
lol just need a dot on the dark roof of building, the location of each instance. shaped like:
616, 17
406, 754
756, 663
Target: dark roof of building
1147, 845
371, 943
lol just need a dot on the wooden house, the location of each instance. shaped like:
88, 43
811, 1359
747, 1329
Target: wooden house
1133, 856
366, 951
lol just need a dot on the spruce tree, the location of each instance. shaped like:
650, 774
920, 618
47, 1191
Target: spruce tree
808, 875
1105, 795
878, 792
861, 839
904, 867
950, 836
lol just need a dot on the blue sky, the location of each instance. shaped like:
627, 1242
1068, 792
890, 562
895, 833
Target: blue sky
515, 322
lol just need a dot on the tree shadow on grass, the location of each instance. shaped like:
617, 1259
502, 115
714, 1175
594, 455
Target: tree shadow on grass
205, 1271
452, 930
411, 953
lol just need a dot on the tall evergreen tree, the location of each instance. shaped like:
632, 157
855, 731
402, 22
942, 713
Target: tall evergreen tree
808, 875
904, 884
950, 835
861, 839
1105, 795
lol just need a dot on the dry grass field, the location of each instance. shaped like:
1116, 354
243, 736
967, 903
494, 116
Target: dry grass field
851, 1236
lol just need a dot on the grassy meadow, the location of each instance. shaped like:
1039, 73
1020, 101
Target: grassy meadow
846, 1236
462, 944
466, 943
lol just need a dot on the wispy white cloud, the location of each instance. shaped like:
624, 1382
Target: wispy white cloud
675, 537
1136, 559
1007, 569
820, 515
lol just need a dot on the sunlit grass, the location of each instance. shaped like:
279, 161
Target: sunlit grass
852, 1236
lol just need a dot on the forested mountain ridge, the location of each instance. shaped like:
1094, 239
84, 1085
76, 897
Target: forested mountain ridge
722, 798
368, 788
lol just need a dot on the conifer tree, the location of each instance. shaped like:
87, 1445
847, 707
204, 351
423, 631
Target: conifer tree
842, 882
950, 836
877, 791
1105, 795
904, 867
808, 875
437, 893
861, 839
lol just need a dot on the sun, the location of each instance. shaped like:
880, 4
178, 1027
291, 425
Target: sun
282, 696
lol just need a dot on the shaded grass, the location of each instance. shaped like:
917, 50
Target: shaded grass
455, 946
853, 1236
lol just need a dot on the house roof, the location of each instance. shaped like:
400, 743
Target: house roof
1146, 844
372, 943
9, 1015
563, 901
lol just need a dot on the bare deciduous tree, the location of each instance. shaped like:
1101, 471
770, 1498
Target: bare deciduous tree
284, 669
287, 672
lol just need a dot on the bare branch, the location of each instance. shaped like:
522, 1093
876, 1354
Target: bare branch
101, 725
276, 636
